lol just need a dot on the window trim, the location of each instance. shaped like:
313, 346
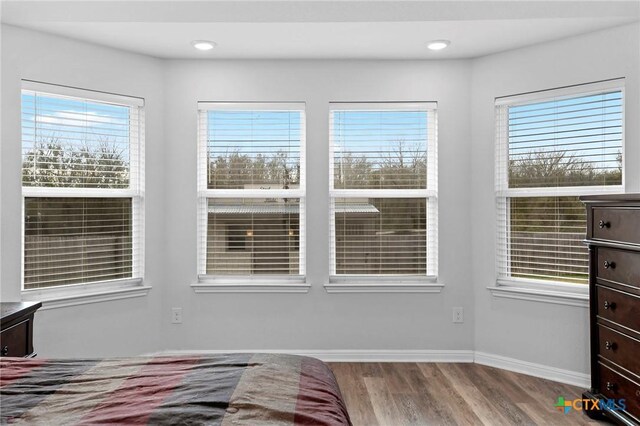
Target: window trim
510, 290
569, 91
60, 90
549, 291
251, 284
101, 290
428, 283
84, 293
207, 283
383, 284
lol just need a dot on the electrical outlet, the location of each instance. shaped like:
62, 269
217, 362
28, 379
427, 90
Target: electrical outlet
458, 315
176, 315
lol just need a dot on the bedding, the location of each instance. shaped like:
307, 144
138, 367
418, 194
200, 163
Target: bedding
228, 389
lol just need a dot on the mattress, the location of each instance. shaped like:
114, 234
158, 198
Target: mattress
228, 389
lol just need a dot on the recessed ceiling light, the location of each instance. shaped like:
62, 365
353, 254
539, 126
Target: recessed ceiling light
438, 44
203, 44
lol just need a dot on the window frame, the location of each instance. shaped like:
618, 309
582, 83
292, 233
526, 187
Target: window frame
208, 283
551, 291
389, 283
99, 290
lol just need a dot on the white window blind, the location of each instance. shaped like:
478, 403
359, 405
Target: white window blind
251, 189
82, 181
552, 147
383, 187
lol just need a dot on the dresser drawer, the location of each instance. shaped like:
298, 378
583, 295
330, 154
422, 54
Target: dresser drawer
620, 266
14, 341
619, 307
615, 386
619, 348
616, 224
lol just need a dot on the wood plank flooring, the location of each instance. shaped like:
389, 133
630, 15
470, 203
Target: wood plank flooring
398, 394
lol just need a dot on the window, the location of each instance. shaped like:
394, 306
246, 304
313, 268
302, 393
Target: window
82, 186
251, 190
236, 238
383, 188
553, 147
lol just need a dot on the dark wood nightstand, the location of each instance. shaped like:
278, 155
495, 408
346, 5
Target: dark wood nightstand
16, 328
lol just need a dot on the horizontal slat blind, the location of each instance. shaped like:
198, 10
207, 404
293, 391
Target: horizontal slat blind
77, 143
252, 148
549, 151
247, 150
86, 155
380, 236
383, 165
253, 237
381, 149
566, 142
543, 239
77, 240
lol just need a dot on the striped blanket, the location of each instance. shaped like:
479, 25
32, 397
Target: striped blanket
229, 389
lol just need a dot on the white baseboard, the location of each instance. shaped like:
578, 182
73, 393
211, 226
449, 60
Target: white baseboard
537, 370
392, 355
511, 364
355, 355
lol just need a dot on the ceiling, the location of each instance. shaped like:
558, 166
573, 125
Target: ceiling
312, 29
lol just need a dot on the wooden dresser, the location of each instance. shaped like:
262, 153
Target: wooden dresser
16, 328
613, 237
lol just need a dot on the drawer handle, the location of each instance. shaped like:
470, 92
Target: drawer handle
608, 265
609, 305
609, 345
602, 224
5, 350
611, 386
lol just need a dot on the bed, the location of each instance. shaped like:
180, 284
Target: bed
228, 389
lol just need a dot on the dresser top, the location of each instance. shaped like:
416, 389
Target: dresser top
611, 197
12, 310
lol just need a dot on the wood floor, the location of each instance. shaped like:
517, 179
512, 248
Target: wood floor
398, 394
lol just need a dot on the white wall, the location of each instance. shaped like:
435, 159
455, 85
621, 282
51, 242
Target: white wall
552, 335
310, 321
123, 327
318, 320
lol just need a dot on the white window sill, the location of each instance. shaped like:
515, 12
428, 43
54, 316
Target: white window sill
251, 285
81, 294
383, 285
559, 294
